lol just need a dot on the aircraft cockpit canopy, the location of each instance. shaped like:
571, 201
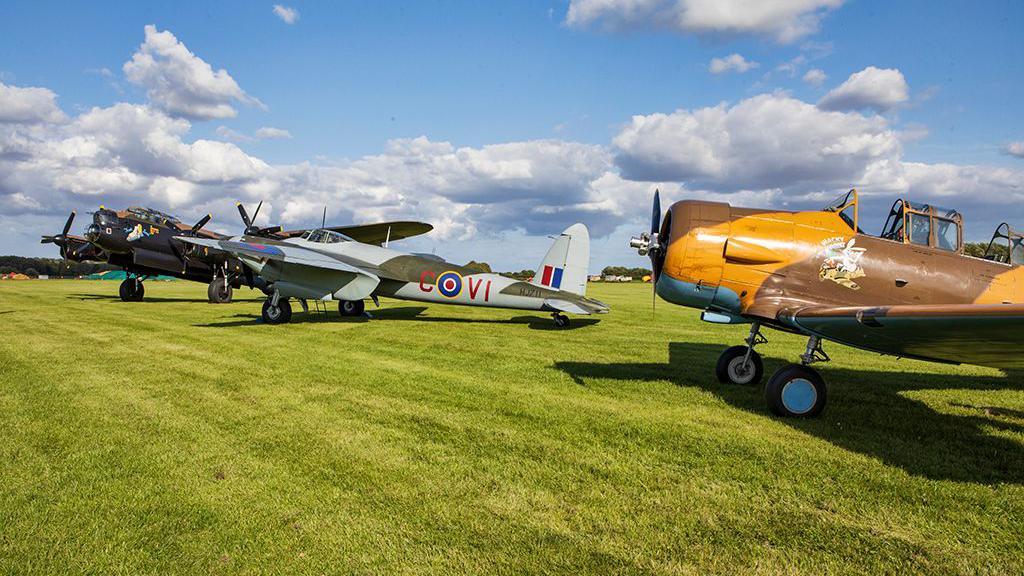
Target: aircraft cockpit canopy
924, 225
151, 216
1006, 246
322, 236
846, 207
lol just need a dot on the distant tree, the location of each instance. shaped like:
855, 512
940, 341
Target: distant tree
636, 273
478, 266
32, 273
521, 275
978, 249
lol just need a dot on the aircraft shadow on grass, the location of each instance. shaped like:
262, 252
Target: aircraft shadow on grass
117, 298
867, 413
404, 313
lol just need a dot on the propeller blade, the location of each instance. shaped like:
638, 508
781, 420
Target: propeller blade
323, 222
67, 225
244, 215
202, 222
656, 213
257, 212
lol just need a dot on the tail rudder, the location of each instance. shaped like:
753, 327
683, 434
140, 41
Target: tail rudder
565, 265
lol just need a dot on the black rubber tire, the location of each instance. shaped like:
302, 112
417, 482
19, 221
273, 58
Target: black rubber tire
561, 321
727, 372
351, 308
131, 290
282, 315
807, 402
218, 293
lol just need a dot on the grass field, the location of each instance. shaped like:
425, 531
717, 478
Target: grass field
177, 437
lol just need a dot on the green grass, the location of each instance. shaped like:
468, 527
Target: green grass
177, 437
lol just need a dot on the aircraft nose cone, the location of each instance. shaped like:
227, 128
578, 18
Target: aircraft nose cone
92, 233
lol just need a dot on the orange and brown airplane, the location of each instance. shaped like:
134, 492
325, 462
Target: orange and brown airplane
910, 291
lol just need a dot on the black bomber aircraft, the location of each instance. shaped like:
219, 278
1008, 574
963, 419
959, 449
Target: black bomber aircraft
142, 242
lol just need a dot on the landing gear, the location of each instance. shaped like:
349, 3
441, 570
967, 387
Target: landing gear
278, 313
735, 366
561, 320
742, 364
351, 307
131, 289
797, 390
219, 291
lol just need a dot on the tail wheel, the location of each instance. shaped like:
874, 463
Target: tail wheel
279, 314
796, 391
351, 307
731, 367
561, 320
219, 292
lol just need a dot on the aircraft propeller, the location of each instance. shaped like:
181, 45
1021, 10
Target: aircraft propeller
650, 244
61, 239
177, 245
250, 227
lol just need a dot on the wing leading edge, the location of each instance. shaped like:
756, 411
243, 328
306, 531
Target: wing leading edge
982, 334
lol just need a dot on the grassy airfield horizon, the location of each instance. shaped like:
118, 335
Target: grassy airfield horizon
173, 436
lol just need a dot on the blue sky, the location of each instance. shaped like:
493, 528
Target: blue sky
347, 80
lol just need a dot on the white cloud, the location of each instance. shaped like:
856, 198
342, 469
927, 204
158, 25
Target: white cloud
1015, 149
181, 83
815, 77
768, 150
783, 20
286, 14
731, 63
270, 133
28, 105
871, 88
767, 141
231, 135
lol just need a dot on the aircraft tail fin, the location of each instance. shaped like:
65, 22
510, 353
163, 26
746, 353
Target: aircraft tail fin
565, 266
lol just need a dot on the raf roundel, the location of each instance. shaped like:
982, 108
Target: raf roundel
449, 284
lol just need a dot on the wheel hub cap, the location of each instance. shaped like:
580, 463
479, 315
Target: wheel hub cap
799, 395
739, 371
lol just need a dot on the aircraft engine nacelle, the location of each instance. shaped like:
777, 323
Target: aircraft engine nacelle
696, 234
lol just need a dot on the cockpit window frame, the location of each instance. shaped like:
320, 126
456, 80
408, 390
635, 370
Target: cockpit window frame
843, 205
325, 236
1014, 243
898, 226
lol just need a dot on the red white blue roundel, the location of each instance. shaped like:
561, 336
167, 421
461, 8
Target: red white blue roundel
449, 284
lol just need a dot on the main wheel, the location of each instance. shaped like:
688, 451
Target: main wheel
561, 320
277, 314
131, 290
219, 292
731, 368
795, 391
351, 307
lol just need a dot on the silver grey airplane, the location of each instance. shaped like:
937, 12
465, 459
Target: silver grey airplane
328, 265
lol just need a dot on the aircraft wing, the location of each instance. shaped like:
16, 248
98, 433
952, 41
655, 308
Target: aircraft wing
289, 254
373, 233
982, 334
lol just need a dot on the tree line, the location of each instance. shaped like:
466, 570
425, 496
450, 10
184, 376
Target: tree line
52, 267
